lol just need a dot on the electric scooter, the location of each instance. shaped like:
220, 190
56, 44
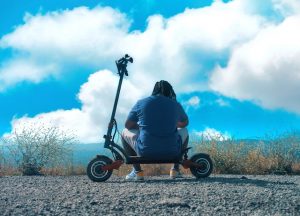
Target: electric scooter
101, 167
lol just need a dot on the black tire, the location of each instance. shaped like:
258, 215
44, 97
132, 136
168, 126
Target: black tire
206, 165
94, 171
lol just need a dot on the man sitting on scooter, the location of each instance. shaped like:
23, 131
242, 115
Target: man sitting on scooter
156, 128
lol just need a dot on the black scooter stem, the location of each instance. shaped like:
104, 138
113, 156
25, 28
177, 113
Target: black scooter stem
122, 69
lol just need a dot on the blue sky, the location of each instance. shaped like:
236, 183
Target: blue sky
234, 64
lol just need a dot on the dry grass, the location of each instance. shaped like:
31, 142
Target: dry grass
64, 170
296, 168
277, 154
9, 171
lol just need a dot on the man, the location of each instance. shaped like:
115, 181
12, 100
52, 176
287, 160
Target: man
156, 128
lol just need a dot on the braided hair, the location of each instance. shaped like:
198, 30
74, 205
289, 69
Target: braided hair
164, 88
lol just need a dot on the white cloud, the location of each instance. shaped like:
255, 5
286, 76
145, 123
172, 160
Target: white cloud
193, 102
173, 49
212, 134
20, 70
223, 103
81, 34
287, 7
72, 121
47, 45
90, 122
266, 69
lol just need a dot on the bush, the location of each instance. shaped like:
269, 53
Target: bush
37, 146
285, 151
226, 153
1, 160
274, 154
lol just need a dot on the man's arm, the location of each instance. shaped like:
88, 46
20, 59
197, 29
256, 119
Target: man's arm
132, 119
131, 124
183, 118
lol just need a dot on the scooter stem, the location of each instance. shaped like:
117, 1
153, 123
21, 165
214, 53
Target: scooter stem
121, 65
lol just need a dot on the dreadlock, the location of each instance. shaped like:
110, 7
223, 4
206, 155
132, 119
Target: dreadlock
164, 88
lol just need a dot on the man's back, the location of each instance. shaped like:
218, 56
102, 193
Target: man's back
157, 117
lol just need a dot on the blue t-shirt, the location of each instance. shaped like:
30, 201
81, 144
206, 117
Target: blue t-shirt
157, 117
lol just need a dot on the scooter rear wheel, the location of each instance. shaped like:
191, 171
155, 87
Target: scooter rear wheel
206, 165
94, 171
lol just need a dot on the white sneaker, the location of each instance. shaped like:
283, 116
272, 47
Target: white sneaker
135, 175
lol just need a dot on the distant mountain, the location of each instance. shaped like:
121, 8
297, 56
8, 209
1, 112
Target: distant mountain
82, 153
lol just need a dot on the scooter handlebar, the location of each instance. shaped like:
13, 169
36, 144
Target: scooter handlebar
122, 64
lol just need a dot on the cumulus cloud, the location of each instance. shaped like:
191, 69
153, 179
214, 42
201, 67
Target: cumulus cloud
223, 103
287, 7
182, 49
84, 35
193, 102
175, 49
47, 45
265, 70
89, 122
212, 134
19, 70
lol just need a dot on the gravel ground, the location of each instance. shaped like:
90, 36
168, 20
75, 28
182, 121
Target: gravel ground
216, 195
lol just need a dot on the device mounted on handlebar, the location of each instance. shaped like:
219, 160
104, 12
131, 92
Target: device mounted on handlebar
122, 64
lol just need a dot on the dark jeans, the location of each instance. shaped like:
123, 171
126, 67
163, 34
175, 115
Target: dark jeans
128, 149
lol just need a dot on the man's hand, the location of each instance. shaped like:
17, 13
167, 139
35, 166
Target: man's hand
183, 124
110, 124
131, 125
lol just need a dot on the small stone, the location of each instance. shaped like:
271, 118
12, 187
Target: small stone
93, 202
218, 208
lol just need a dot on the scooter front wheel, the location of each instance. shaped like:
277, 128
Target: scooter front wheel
94, 169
